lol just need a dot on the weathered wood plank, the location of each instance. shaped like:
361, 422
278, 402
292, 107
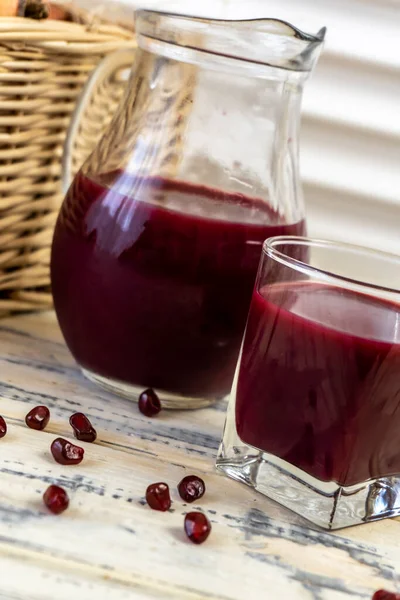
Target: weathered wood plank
109, 543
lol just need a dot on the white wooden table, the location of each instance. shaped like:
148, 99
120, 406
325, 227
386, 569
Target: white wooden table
109, 544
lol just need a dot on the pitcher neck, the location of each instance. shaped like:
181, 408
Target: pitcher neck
233, 133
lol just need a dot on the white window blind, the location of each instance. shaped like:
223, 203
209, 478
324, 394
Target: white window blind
350, 144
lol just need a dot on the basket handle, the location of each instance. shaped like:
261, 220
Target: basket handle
114, 62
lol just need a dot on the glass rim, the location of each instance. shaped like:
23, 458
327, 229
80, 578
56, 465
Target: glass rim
275, 43
269, 249
296, 31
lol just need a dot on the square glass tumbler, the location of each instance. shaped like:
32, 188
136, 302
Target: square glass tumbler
314, 417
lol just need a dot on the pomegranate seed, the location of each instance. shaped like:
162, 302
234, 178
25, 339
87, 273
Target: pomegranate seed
384, 595
83, 429
149, 403
56, 499
197, 527
3, 427
66, 453
38, 418
191, 488
157, 496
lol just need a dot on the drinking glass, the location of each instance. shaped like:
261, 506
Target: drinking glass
314, 416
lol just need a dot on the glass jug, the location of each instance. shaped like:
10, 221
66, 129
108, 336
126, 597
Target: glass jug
158, 241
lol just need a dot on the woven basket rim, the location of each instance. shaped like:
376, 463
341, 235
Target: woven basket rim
55, 35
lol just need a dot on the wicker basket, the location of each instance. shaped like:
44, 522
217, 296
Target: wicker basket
43, 68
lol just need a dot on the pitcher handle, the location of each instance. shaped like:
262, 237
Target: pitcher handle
110, 75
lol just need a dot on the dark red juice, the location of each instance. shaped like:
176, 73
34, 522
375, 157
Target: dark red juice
152, 279
319, 383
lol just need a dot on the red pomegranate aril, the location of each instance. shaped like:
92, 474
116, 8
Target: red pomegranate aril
157, 496
38, 418
149, 403
384, 595
197, 527
56, 499
3, 427
191, 488
83, 429
66, 453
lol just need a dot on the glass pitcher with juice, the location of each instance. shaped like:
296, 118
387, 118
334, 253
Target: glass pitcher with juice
157, 244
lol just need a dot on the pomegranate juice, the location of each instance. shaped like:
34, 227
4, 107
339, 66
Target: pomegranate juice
319, 383
152, 279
